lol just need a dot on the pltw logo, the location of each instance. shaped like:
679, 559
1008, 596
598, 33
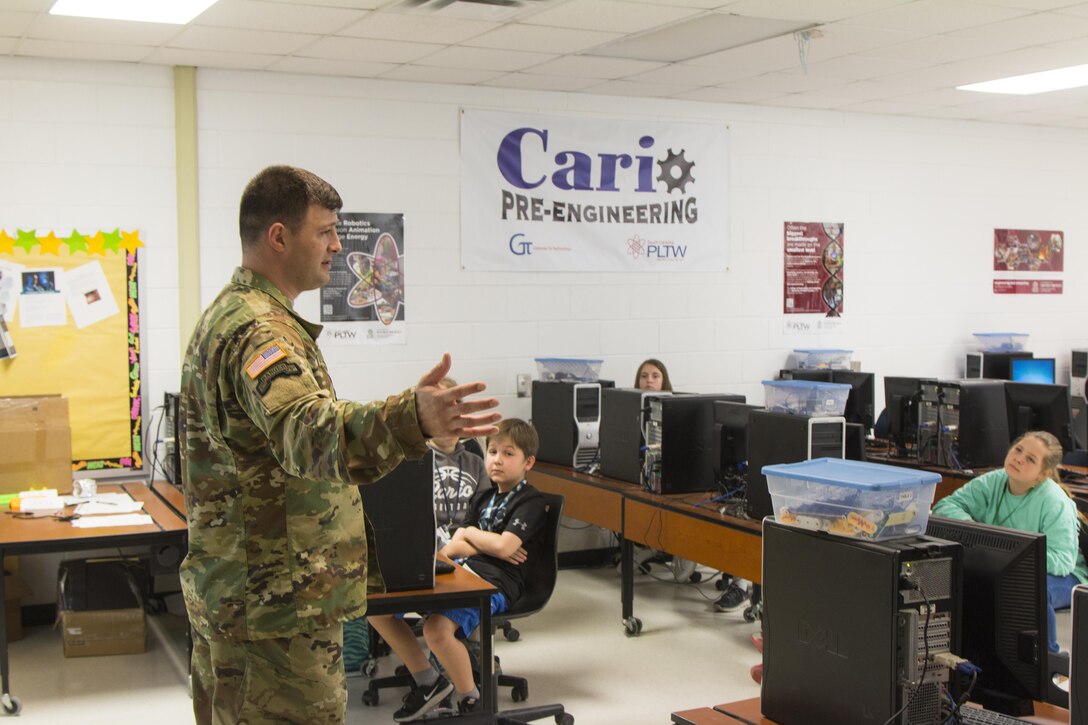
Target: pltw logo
519, 245
520, 150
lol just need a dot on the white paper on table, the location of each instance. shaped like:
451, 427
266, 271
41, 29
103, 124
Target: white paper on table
117, 498
98, 522
10, 284
89, 295
41, 292
98, 508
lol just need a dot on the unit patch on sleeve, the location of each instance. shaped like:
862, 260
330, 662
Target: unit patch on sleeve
264, 358
280, 369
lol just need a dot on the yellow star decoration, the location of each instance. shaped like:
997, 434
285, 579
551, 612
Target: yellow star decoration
131, 241
7, 243
95, 244
50, 244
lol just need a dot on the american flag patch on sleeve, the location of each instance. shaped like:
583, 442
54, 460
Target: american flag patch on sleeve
266, 357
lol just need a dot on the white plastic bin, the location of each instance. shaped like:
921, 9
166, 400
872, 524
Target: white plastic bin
1001, 341
822, 359
805, 397
567, 368
856, 499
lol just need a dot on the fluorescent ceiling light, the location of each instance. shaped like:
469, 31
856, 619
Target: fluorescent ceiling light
175, 12
1048, 80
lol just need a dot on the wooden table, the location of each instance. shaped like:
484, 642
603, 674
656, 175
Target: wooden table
748, 712
20, 537
675, 524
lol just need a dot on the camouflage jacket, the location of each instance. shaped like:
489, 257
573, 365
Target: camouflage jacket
277, 535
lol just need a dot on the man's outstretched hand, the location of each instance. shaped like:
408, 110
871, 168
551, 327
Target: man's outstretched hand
445, 412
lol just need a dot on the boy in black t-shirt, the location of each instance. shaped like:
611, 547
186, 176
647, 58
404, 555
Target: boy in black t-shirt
502, 530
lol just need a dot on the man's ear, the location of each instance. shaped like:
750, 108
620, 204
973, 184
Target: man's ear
276, 237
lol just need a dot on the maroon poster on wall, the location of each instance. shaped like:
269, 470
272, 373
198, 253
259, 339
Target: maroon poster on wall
1028, 250
813, 279
1027, 286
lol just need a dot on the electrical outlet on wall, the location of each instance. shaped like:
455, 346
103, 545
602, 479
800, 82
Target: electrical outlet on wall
524, 385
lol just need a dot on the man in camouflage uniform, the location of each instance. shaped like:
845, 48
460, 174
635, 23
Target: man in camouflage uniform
278, 544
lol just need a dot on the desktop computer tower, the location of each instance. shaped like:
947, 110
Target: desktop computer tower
786, 438
994, 365
845, 631
567, 416
1078, 396
927, 445
680, 442
973, 428
624, 413
171, 439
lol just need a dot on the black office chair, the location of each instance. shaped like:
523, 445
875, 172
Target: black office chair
540, 577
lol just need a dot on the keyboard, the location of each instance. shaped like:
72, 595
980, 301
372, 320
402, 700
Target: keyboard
975, 716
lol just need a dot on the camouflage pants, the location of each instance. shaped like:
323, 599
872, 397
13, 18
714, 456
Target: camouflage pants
297, 679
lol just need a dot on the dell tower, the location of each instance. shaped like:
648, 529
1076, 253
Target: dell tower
993, 365
624, 414
567, 416
847, 624
973, 428
171, 438
929, 424
680, 442
786, 438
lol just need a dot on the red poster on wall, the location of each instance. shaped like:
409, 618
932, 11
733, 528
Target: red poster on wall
813, 269
1027, 286
1028, 250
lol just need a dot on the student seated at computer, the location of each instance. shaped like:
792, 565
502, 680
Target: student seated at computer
652, 375
1027, 494
502, 530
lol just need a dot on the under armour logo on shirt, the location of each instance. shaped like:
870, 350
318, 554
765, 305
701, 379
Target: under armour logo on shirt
518, 524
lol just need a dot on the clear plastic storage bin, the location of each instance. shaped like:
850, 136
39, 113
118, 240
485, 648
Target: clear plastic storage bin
822, 359
852, 498
1001, 341
805, 397
567, 368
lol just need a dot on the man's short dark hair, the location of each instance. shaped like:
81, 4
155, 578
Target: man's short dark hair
282, 194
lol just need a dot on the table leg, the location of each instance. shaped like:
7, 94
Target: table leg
10, 704
631, 624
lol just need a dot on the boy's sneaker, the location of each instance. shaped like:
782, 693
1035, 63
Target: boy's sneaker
733, 598
468, 704
421, 700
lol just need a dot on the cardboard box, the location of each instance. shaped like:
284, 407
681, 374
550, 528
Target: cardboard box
100, 606
35, 443
104, 632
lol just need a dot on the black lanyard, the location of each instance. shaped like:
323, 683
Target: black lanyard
492, 512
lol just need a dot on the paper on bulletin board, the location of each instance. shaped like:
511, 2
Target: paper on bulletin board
89, 295
9, 288
42, 297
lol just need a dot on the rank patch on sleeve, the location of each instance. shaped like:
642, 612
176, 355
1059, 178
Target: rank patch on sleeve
266, 357
280, 369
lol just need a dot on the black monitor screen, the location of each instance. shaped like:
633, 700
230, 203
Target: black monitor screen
1003, 612
731, 419
1033, 370
859, 404
1034, 406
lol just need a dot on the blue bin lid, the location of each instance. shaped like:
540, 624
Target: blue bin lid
807, 384
853, 474
819, 350
1000, 334
566, 360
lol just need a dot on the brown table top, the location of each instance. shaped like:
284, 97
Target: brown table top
748, 711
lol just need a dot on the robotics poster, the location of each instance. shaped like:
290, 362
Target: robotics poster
363, 303
1028, 250
813, 269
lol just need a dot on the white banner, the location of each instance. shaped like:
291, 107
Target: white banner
555, 193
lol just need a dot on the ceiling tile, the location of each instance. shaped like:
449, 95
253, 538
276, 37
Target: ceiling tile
374, 51
7, 45
82, 51
858, 67
532, 82
439, 74
833, 41
353, 4
812, 10
237, 40
935, 49
935, 16
98, 32
211, 58
692, 75
13, 23
259, 15
728, 95
701, 4
541, 38
609, 15
417, 28
770, 55
485, 58
585, 66
326, 66
1028, 30
886, 107
636, 90
30, 6
1036, 5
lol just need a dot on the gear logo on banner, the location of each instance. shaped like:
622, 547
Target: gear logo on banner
675, 171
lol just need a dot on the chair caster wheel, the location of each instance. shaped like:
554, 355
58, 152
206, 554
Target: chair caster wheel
11, 704
519, 694
753, 613
370, 698
564, 719
632, 626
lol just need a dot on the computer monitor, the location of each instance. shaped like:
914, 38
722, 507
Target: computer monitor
1078, 657
731, 423
901, 398
1003, 611
1033, 370
1034, 406
859, 404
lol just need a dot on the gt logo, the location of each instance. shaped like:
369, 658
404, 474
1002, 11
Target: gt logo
519, 245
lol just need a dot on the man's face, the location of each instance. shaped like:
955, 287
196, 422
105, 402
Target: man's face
310, 249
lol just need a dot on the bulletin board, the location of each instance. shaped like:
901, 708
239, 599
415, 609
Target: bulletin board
75, 330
